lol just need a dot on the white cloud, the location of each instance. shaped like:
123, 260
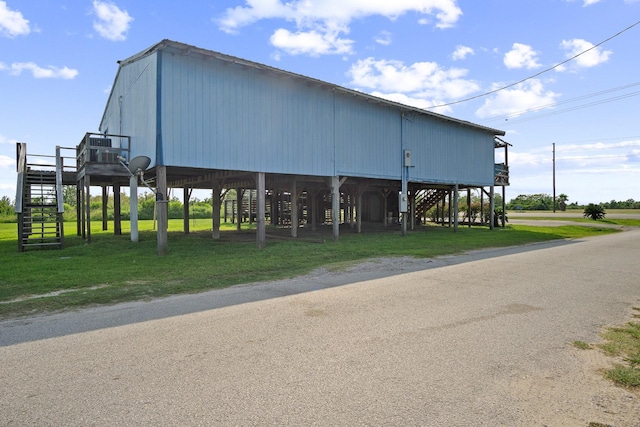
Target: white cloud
587, 60
461, 52
422, 84
7, 162
12, 23
521, 56
384, 38
319, 26
38, 72
313, 42
112, 22
586, 3
401, 98
5, 140
513, 101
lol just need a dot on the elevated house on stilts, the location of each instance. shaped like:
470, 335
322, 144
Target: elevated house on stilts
297, 150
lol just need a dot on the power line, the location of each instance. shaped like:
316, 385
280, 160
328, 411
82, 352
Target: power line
537, 74
553, 104
618, 138
598, 156
587, 147
578, 107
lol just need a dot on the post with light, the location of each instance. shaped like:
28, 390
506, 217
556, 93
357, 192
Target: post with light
403, 197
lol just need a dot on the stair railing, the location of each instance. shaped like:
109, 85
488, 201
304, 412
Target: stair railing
59, 193
21, 169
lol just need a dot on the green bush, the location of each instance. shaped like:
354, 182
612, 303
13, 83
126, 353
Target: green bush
593, 211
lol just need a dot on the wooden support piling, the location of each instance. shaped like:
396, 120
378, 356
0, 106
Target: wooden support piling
161, 209
105, 200
261, 231
216, 201
117, 211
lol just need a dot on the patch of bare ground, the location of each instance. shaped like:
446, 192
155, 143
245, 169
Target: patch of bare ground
579, 396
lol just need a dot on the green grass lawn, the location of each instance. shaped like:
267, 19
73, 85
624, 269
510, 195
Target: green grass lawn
113, 269
618, 221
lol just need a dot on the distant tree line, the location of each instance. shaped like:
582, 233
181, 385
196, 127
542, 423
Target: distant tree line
203, 209
146, 207
544, 202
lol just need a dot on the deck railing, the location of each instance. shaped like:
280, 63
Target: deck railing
21, 169
501, 171
40, 162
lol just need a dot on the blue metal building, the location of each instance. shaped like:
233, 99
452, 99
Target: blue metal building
209, 120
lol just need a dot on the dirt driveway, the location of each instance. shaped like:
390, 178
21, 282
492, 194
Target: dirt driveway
479, 342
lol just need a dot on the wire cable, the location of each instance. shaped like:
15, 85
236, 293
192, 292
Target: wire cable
577, 107
501, 117
537, 74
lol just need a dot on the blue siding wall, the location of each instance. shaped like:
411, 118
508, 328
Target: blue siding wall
367, 139
442, 153
224, 116
131, 109
216, 114
371, 138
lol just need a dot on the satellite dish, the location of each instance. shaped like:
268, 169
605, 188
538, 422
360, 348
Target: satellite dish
139, 164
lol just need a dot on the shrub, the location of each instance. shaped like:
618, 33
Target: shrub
593, 211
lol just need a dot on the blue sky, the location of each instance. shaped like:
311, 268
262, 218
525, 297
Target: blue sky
58, 61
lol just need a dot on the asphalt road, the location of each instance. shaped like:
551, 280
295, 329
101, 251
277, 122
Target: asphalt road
481, 339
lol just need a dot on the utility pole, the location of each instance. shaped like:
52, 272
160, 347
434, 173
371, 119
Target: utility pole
554, 177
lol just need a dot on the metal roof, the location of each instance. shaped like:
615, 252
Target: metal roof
196, 51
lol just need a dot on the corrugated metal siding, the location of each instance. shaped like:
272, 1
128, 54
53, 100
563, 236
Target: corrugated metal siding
224, 116
135, 114
367, 139
220, 115
442, 153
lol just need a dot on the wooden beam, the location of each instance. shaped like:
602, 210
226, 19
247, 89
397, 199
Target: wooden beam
117, 211
294, 209
482, 206
492, 207
105, 200
79, 210
87, 183
359, 212
503, 202
186, 195
161, 209
455, 208
469, 206
335, 206
239, 196
216, 200
261, 231
312, 200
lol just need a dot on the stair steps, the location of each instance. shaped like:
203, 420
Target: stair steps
426, 199
40, 223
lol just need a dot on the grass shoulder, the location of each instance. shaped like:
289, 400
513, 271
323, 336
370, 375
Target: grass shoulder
623, 344
112, 269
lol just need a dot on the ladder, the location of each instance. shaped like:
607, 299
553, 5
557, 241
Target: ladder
38, 205
41, 225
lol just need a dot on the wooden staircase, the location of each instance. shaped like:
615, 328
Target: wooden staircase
40, 224
426, 199
39, 203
